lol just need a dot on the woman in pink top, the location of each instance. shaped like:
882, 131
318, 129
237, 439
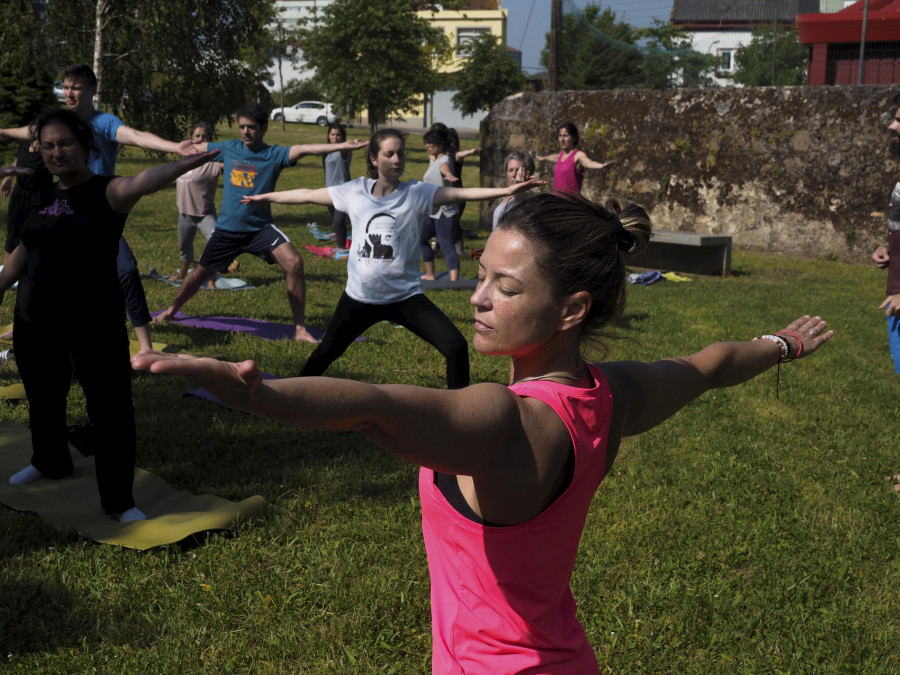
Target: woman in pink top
568, 172
508, 471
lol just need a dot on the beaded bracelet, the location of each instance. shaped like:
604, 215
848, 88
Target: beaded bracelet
780, 341
799, 344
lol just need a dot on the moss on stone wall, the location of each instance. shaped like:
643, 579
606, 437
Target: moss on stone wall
782, 169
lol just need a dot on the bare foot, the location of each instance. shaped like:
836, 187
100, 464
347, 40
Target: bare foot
303, 335
176, 277
7, 335
211, 284
427, 277
234, 266
164, 316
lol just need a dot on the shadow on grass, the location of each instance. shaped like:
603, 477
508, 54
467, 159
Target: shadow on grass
205, 447
41, 617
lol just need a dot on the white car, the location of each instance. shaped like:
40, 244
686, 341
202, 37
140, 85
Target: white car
310, 112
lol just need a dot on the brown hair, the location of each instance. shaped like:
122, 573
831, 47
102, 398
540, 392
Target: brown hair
375, 146
581, 246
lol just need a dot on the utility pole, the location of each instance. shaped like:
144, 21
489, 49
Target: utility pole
862, 42
555, 26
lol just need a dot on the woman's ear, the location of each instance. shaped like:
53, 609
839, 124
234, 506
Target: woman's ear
574, 310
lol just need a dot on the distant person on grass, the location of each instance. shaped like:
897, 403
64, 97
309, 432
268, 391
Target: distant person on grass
508, 472
195, 194
79, 89
888, 256
571, 163
72, 228
252, 167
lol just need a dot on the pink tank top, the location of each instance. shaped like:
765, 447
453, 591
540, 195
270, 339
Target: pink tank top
500, 596
566, 175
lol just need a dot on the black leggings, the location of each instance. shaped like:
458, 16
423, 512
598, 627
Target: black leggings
418, 314
100, 356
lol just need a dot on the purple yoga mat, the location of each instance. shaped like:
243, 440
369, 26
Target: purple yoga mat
261, 329
206, 396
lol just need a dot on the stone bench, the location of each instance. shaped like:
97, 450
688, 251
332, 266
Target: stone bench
691, 252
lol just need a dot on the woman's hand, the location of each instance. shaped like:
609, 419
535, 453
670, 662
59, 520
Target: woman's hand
234, 383
808, 330
250, 200
525, 186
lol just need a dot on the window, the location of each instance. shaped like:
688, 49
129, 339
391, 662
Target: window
465, 35
726, 60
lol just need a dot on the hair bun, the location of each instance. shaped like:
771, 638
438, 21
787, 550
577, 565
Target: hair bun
624, 238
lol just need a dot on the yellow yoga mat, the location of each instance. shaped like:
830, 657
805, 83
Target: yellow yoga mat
73, 502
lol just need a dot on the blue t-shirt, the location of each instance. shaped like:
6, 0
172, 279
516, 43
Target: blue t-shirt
103, 157
248, 173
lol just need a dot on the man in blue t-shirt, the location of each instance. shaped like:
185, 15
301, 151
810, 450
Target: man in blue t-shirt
252, 167
79, 89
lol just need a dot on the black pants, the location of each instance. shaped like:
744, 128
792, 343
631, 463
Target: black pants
130, 278
100, 356
418, 314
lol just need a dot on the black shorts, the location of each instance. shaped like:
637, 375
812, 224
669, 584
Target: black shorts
224, 246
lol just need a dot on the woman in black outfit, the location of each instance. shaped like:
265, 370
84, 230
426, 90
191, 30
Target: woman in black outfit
71, 230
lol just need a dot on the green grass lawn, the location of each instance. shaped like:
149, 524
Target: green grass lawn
745, 535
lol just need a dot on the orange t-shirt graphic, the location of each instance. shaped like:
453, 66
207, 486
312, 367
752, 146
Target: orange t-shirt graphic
242, 175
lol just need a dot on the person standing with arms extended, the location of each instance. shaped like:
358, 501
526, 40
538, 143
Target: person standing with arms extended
383, 281
73, 227
195, 194
251, 167
508, 472
571, 163
337, 172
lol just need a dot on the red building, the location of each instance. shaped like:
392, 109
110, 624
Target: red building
834, 39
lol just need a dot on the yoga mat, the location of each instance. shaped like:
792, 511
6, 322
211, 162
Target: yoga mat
442, 283
207, 396
222, 283
73, 502
261, 329
13, 392
328, 252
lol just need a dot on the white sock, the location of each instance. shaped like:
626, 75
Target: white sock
134, 513
27, 475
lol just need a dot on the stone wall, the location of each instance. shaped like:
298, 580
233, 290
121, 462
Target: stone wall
789, 170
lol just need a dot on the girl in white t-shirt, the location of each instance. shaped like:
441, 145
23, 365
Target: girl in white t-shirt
383, 267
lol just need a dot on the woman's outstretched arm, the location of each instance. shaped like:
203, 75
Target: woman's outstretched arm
448, 195
646, 394
475, 431
319, 196
125, 191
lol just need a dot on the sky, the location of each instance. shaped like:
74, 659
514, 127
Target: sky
526, 33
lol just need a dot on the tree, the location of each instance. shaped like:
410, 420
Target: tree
26, 85
669, 60
753, 62
166, 64
377, 56
596, 51
489, 75
302, 90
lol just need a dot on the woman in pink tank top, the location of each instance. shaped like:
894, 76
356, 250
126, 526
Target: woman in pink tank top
568, 172
508, 470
